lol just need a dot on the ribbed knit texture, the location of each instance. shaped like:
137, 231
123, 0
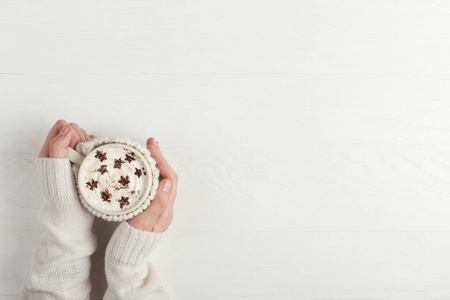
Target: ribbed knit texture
128, 271
61, 264
56, 177
125, 235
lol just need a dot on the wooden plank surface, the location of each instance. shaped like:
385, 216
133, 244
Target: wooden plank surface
311, 138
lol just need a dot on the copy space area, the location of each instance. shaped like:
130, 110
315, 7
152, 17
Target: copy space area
311, 138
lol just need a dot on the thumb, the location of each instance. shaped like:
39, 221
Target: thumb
57, 147
161, 200
147, 219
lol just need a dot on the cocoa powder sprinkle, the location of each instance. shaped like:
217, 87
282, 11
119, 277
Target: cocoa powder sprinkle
100, 155
93, 184
106, 195
138, 173
123, 201
102, 169
129, 158
124, 180
118, 163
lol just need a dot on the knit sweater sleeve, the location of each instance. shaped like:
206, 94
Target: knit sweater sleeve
129, 273
61, 264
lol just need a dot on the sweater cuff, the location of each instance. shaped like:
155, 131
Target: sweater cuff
56, 177
130, 245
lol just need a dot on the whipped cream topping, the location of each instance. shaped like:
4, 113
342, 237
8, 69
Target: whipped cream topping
114, 178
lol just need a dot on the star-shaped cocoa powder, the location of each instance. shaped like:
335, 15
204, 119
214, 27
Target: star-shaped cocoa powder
100, 155
138, 173
102, 169
92, 184
124, 180
129, 158
106, 195
118, 163
123, 201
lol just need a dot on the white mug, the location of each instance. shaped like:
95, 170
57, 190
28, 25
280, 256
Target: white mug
145, 197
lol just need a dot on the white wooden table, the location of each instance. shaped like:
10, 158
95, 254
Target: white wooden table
311, 138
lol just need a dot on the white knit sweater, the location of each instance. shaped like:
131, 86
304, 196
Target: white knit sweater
61, 265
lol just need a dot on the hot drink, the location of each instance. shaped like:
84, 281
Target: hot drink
114, 177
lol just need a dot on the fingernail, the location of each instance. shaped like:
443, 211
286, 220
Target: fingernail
166, 186
64, 130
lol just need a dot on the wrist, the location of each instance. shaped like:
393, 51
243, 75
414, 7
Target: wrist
146, 225
61, 202
131, 245
56, 177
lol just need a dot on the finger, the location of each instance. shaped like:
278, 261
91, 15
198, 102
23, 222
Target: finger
166, 217
172, 196
78, 130
161, 200
164, 167
151, 141
86, 136
93, 136
59, 124
168, 212
164, 220
59, 144
75, 139
147, 219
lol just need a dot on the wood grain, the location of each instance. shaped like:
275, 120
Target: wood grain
311, 138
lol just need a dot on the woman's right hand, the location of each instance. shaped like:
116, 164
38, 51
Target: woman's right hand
159, 214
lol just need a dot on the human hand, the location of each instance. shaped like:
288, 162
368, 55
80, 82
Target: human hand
68, 242
159, 214
62, 135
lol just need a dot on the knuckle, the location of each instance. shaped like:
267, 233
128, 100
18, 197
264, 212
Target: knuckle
159, 207
174, 178
61, 122
160, 203
55, 142
152, 150
75, 137
168, 216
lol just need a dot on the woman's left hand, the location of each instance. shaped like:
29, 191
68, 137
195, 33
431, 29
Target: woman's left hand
62, 135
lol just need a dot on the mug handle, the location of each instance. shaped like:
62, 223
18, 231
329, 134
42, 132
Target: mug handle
74, 156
